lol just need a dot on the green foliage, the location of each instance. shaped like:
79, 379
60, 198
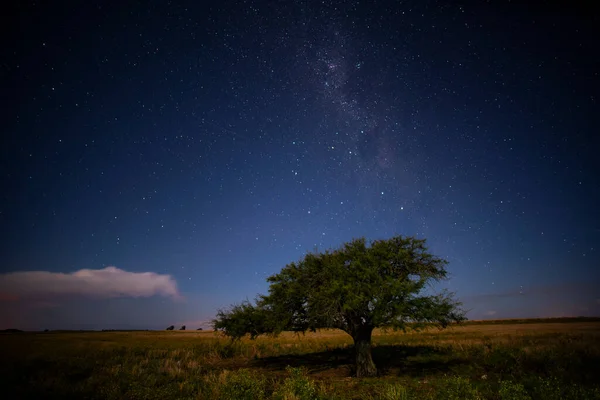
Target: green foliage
513, 391
459, 388
552, 388
242, 385
361, 285
355, 288
391, 391
240, 320
296, 387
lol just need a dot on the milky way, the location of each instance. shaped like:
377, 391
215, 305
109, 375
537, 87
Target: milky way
213, 145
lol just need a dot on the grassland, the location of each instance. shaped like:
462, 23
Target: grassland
493, 360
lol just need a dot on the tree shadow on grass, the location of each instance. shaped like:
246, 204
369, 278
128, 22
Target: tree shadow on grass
314, 362
414, 361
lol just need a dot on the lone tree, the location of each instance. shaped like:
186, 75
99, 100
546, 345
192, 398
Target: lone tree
170, 328
355, 288
182, 328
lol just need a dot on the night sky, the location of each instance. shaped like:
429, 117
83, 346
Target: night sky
160, 159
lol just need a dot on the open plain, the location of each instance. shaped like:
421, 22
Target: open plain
515, 359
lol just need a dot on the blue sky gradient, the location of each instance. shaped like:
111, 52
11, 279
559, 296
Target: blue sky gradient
214, 145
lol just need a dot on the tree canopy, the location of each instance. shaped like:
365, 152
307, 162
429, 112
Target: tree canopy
355, 288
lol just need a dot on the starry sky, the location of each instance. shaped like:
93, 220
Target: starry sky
160, 159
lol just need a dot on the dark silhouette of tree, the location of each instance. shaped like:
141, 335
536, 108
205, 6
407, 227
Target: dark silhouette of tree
355, 288
199, 329
12, 330
171, 328
182, 328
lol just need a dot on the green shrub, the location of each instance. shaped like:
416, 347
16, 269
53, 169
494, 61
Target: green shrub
554, 389
391, 391
242, 385
513, 391
297, 386
458, 388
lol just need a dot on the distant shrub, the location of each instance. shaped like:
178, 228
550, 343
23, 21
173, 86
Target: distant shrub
199, 329
171, 328
182, 328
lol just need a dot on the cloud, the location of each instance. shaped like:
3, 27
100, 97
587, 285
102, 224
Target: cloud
110, 282
490, 313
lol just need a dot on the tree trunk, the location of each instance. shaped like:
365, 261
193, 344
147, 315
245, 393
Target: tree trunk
362, 346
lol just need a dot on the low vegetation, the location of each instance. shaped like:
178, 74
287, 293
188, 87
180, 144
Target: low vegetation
533, 360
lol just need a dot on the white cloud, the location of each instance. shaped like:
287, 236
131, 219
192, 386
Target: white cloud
490, 313
110, 282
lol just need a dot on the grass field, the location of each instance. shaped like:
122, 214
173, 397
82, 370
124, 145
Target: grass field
554, 359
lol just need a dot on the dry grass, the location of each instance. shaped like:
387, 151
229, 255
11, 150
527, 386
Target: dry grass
476, 361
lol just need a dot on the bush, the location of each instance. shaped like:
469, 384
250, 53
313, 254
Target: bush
297, 386
459, 388
513, 391
554, 389
392, 391
242, 385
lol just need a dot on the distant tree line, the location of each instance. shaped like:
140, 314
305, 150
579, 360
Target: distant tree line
172, 327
